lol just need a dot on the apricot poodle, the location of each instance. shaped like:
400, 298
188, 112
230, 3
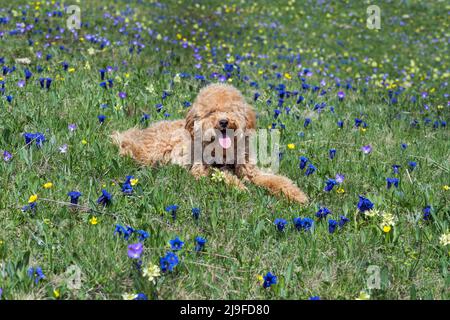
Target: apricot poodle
219, 111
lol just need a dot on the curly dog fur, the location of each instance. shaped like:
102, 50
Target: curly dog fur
217, 106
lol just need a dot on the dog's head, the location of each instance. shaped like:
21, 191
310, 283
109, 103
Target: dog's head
220, 107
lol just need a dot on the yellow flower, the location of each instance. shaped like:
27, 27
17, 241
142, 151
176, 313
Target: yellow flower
287, 76
71, 70
129, 296
362, 130
48, 185
217, 175
340, 190
56, 293
93, 221
134, 182
260, 278
445, 188
386, 229
363, 296
33, 198
151, 272
445, 239
291, 146
84, 141
126, 75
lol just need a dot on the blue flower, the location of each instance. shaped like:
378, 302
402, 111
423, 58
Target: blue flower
168, 262
105, 198
269, 280
127, 188
101, 118
307, 122
38, 137
30, 207
176, 244
200, 243
280, 224
142, 235
364, 204
36, 274
332, 224
303, 162
392, 181
426, 213
332, 153
172, 209
303, 224
314, 298
141, 296
395, 168
125, 232
412, 165
340, 124
196, 213
329, 185
323, 212
74, 195
343, 221
311, 169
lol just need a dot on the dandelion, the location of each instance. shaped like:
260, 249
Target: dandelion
176, 244
269, 280
280, 224
48, 185
340, 190
445, 187
56, 293
135, 250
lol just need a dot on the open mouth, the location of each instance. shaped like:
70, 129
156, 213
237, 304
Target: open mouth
224, 139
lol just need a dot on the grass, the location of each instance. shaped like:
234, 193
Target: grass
330, 40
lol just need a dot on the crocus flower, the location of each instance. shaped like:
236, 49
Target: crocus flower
366, 149
332, 224
176, 244
280, 224
269, 280
105, 198
364, 204
74, 195
200, 243
72, 127
135, 250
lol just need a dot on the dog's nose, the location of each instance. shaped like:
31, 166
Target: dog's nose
223, 123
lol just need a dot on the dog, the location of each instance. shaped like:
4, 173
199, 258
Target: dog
218, 111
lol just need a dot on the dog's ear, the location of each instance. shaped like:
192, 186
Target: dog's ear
250, 117
190, 118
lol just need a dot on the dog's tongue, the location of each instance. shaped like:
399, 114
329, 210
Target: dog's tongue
225, 141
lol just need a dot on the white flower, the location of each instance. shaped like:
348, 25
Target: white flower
129, 296
151, 272
445, 239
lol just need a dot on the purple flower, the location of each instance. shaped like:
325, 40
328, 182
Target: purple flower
340, 178
135, 250
122, 95
72, 127
7, 156
366, 149
21, 83
341, 95
63, 148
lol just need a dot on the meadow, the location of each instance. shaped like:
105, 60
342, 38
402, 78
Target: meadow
363, 115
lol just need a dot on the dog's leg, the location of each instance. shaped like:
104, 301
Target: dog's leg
274, 183
233, 180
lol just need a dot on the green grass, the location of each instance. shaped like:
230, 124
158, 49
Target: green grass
242, 240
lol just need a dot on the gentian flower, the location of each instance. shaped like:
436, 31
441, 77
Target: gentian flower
176, 244
142, 235
311, 169
392, 181
168, 262
200, 243
141, 296
196, 213
105, 198
280, 224
332, 224
74, 195
314, 298
36, 274
426, 213
126, 186
125, 232
28, 74
342, 221
303, 224
323, 212
172, 209
329, 185
412, 165
269, 280
303, 162
395, 168
101, 118
307, 122
135, 250
340, 124
364, 204
332, 153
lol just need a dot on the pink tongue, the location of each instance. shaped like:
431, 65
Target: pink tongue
225, 142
